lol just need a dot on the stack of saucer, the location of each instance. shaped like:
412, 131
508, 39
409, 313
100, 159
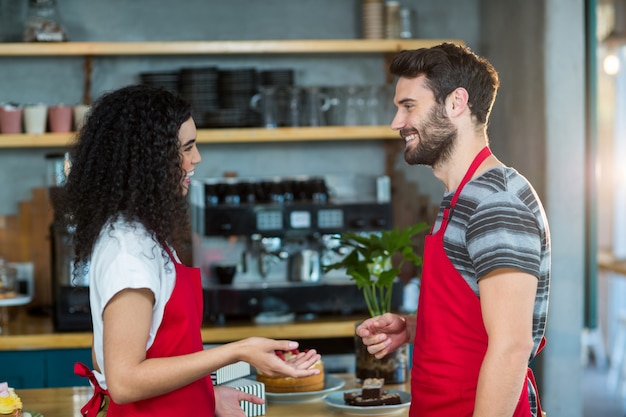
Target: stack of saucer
236, 88
165, 79
277, 77
199, 86
373, 19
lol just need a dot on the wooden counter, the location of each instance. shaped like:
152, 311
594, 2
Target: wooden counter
67, 402
30, 333
608, 262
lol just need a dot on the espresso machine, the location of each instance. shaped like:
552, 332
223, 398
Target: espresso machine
70, 291
275, 235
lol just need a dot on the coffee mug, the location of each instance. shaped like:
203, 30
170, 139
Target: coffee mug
80, 113
10, 119
60, 118
265, 102
316, 104
35, 118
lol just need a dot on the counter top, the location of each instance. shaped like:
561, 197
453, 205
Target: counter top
608, 262
25, 332
67, 402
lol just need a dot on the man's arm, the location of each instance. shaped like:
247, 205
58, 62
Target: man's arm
507, 298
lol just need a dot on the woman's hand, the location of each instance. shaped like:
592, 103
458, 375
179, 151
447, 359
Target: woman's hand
261, 353
227, 401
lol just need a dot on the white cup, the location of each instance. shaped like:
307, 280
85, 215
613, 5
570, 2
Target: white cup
35, 118
80, 112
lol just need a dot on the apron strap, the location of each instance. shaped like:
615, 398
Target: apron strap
95, 402
447, 212
482, 155
531, 377
169, 252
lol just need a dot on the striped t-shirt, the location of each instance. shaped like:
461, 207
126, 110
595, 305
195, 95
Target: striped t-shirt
499, 222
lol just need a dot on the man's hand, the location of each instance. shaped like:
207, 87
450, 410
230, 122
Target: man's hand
383, 334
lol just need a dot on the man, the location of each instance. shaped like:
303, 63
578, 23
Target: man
485, 282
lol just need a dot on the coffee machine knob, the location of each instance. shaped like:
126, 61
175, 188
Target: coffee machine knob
226, 227
379, 222
359, 223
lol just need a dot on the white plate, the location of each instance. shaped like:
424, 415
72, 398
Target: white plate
331, 383
335, 400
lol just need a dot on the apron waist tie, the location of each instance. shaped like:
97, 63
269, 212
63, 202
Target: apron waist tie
531, 377
91, 408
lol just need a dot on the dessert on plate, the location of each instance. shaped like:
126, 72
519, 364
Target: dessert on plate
372, 394
10, 403
286, 384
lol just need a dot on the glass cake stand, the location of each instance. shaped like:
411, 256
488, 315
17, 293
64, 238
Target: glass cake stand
5, 303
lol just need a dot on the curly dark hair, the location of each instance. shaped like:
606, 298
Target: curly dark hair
448, 66
126, 164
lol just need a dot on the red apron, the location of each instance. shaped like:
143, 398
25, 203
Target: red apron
178, 334
450, 338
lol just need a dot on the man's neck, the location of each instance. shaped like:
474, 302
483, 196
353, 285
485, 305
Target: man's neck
452, 171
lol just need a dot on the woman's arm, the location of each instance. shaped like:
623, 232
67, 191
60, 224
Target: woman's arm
131, 377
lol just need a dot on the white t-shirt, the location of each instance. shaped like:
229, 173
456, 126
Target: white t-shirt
126, 256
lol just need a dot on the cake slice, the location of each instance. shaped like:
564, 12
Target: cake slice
372, 388
372, 394
385, 399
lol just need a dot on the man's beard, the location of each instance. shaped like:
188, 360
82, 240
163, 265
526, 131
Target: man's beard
437, 137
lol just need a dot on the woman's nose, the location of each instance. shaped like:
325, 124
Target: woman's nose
197, 158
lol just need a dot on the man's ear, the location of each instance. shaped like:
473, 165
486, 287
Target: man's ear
457, 102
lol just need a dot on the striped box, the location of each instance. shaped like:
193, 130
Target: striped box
251, 387
230, 372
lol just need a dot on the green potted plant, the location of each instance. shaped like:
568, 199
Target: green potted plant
370, 262
374, 261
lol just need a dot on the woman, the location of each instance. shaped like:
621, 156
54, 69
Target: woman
125, 198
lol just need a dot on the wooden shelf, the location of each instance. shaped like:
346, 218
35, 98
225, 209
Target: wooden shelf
240, 135
609, 263
247, 135
313, 46
295, 134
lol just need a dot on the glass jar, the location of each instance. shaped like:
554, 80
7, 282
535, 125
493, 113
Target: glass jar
406, 23
8, 280
43, 23
392, 19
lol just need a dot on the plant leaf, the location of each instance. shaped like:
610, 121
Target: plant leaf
369, 262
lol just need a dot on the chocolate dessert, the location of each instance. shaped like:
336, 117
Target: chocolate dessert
372, 394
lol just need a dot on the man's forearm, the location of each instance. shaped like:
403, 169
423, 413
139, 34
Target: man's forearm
500, 384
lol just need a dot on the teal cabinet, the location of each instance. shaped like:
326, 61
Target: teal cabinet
60, 367
43, 368
23, 369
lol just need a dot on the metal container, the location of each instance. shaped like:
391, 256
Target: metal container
8, 280
305, 266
